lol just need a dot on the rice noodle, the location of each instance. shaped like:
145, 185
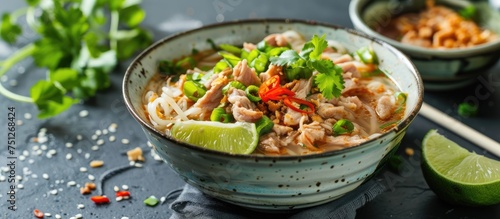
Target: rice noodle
174, 105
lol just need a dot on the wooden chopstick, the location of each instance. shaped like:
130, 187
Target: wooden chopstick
460, 129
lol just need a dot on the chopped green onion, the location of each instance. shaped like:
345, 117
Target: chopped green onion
260, 63
151, 201
194, 51
343, 126
385, 125
367, 55
167, 67
235, 84
231, 59
212, 44
194, 90
264, 125
244, 54
468, 12
263, 46
186, 63
252, 55
467, 110
401, 100
231, 49
219, 115
194, 77
221, 65
276, 51
252, 92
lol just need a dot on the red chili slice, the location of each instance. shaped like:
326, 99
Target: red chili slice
277, 94
122, 193
290, 100
38, 213
100, 199
269, 84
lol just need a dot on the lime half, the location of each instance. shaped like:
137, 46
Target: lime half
457, 175
233, 138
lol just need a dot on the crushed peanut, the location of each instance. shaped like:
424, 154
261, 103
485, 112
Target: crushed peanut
135, 154
409, 151
96, 163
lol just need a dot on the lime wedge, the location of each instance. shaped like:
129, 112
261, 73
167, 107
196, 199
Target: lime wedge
457, 175
233, 138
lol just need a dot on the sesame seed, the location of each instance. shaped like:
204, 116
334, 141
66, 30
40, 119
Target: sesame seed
112, 138
116, 188
53, 192
83, 113
79, 137
83, 169
94, 137
19, 178
98, 132
163, 199
94, 148
131, 163
13, 82
20, 186
52, 151
104, 131
35, 147
39, 152
125, 141
87, 155
4, 78
21, 70
22, 157
119, 198
149, 144
78, 216
19, 122
48, 155
72, 218
27, 116
47, 214
69, 144
91, 177
45, 176
71, 183
58, 216
79, 150
80, 206
31, 161
43, 147
34, 176
2, 178
26, 153
125, 218
69, 156
100, 142
124, 187
138, 164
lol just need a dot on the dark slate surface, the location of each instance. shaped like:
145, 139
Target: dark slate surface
408, 195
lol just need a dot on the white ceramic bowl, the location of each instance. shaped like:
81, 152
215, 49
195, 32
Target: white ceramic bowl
440, 69
271, 182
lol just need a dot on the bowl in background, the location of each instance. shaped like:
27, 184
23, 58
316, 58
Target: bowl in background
271, 182
440, 69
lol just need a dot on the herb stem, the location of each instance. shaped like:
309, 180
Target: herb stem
113, 29
18, 13
9, 63
30, 18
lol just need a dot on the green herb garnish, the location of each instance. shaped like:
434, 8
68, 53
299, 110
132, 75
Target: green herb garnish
467, 110
74, 46
468, 12
301, 65
343, 126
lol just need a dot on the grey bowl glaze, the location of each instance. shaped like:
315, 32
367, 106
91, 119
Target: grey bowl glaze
271, 182
440, 69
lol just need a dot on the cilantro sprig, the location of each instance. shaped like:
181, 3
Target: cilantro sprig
79, 42
329, 79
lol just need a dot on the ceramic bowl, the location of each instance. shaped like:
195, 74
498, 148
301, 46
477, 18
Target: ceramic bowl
271, 182
440, 69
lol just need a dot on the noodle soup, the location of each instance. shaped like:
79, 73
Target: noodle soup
304, 95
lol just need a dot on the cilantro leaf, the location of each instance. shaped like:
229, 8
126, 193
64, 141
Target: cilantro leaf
314, 48
329, 80
132, 15
8, 30
49, 99
287, 57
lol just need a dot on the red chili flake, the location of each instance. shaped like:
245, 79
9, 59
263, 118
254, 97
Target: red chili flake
290, 100
100, 199
122, 193
38, 213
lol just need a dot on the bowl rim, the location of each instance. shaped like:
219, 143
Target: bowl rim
401, 126
357, 6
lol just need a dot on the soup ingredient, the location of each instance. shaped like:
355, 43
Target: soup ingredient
343, 126
438, 27
457, 175
96, 163
122, 194
151, 201
467, 110
135, 154
38, 213
99, 200
233, 138
82, 52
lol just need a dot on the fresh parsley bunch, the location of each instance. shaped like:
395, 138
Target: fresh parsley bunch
301, 65
79, 42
